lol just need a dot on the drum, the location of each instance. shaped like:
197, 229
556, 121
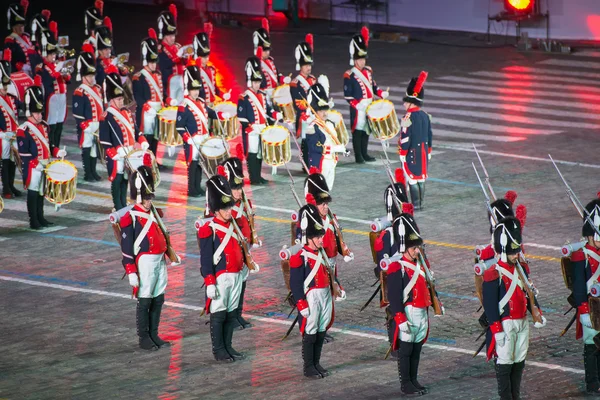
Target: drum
567, 271
136, 160
382, 119
214, 153
340, 127
276, 149
282, 98
61, 182
167, 134
230, 128
20, 81
594, 307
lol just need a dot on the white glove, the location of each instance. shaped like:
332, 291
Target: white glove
121, 153
429, 156
134, 281
402, 159
305, 313
287, 80
211, 292
61, 153
176, 263
279, 116
362, 105
342, 295
227, 96
405, 327
151, 112
385, 94
225, 115
173, 102
349, 257
190, 141
501, 338
338, 148
385, 144
39, 167
543, 323
92, 127
585, 320
145, 146
253, 271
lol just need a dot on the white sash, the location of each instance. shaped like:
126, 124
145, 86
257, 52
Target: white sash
318, 262
229, 234
594, 278
270, 72
413, 280
150, 218
38, 134
257, 104
198, 111
303, 82
514, 282
363, 79
93, 95
121, 119
206, 79
150, 79
8, 109
24, 45
327, 224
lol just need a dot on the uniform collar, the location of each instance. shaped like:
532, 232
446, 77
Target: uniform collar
218, 221
592, 248
308, 249
506, 266
413, 109
408, 260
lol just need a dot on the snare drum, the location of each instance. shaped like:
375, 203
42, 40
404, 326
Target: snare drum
230, 128
340, 127
382, 119
61, 182
282, 97
167, 134
276, 149
214, 153
136, 160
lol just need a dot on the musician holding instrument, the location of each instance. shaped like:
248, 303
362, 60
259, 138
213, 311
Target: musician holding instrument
37, 26
144, 248
92, 19
118, 133
210, 88
104, 47
18, 41
586, 289
221, 263
170, 62
35, 150
507, 295
8, 128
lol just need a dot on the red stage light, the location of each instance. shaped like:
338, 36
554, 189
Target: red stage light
519, 6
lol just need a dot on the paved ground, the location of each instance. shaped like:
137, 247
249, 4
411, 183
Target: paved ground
69, 325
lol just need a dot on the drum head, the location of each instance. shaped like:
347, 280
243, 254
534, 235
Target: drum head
380, 109
136, 158
213, 147
227, 107
334, 116
61, 171
275, 134
282, 95
168, 113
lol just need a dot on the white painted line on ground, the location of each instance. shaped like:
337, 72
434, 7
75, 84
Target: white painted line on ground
2, 239
571, 63
475, 136
508, 130
531, 77
271, 320
520, 83
543, 246
553, 71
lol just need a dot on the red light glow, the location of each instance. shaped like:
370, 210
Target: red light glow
519, 5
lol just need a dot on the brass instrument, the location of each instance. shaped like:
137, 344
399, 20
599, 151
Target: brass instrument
63, 52
1, 205
121, 60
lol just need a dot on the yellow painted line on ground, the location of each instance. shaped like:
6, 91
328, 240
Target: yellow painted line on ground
287, 221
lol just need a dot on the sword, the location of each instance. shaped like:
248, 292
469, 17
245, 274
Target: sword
291, 328
479, 349
569, 325
371, 298
387, 354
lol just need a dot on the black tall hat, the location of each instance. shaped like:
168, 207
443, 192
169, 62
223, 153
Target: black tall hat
150, 48
399, 192
415, 93
104, 35
201, 41
86, 62
93, 17
218, 192
507, 237
49, 39
261, 37
359, 45
17, 13
39, 24
113, 87
142, 187
318, 94
235, 172
34, 97
191, 76
406, 232
502, 208
253, 69
304, 52
316, 185
167, 22
311, 223
593, 208
5, 67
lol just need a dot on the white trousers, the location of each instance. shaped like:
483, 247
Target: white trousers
35, 182
198, 139
176, 88
418, 324
328, 171
57, 107
320, 305
5, 136
516, 343
229, 286
152, 270
588, 335
89, 142
245, 273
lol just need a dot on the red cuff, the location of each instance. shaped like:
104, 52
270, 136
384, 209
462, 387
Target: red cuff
400, 318
301, 304
429, 151
130, 269
496, 327
34, 163
112, 151
274, 115
19, 66
402, 152
249, 129
354, 103
84, 125
186, 136
379, 92
584, 308
55, 152
220, 115
210, 280
142, 139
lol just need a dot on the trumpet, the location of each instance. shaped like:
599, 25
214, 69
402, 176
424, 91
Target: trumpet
129, 68
66, 53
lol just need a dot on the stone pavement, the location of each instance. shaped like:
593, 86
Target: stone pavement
69, 324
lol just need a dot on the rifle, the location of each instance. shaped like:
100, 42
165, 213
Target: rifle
487, 177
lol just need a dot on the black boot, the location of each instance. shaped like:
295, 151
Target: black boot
317, 355
415, 196
308, 356
85, 158
115, 191
421, 193
230, 324
328, 338
198, 181
142, 316
123, 192
155, 310
32, 209
243, 324
515, 379
192, 171
365, 146
503, 372
58, 134
252, 169
217, 335
415, 357
404, 354
40, 207
5, 175
11, 179
304, 148
259, 169
93, 171
51, 135
590, 364
356, 146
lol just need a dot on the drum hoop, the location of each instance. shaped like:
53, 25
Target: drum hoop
278, 88
69, 163
384, 101
170, 108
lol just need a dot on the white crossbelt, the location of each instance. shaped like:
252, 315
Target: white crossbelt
38, 134
318, 262
150, 79
257, 104
596, 275
150, 219
229, 234
363, 79
196, 111
413, 280
514, 282
121, 119
208, 81
303, 82
92, 94
9, 110
267, 68
327, 224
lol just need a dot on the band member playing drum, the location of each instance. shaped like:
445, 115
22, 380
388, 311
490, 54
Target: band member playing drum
117, 135
170, 63
359, 90
8, 128
414, 145
93, 19
55, 85
271, 77
586, 270
35, 150
210, 89
253, 112
192, 125
18, 41
88, 110
144, 250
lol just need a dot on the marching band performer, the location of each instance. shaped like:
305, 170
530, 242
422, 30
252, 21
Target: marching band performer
192, 125
35, 150
170, 63
93, 20
359, 90
210, 89
117, 134
55, 84
88, 110
104, 57
38, 25
253, 113
414, 145
271, 77
221, 263
18, 41
508, 333
586, 263
8, 128
144, 248
300, 85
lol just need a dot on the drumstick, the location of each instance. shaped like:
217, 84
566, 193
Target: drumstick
64, 149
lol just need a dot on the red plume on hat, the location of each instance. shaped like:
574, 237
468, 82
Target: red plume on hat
87, 48
99, 4
521, 214
239, 151
108, 23
420, 82
364, 32
511, 196
310, 199
309, 39
259, 52
191, 62
399, 175
53, 27
147, 160
37, 81
25, 5
173, 10
314, 170
221, 171
208, 29
152, 34
46, 14
7, 54
408, 208
598, 194
265, 25
111, 69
